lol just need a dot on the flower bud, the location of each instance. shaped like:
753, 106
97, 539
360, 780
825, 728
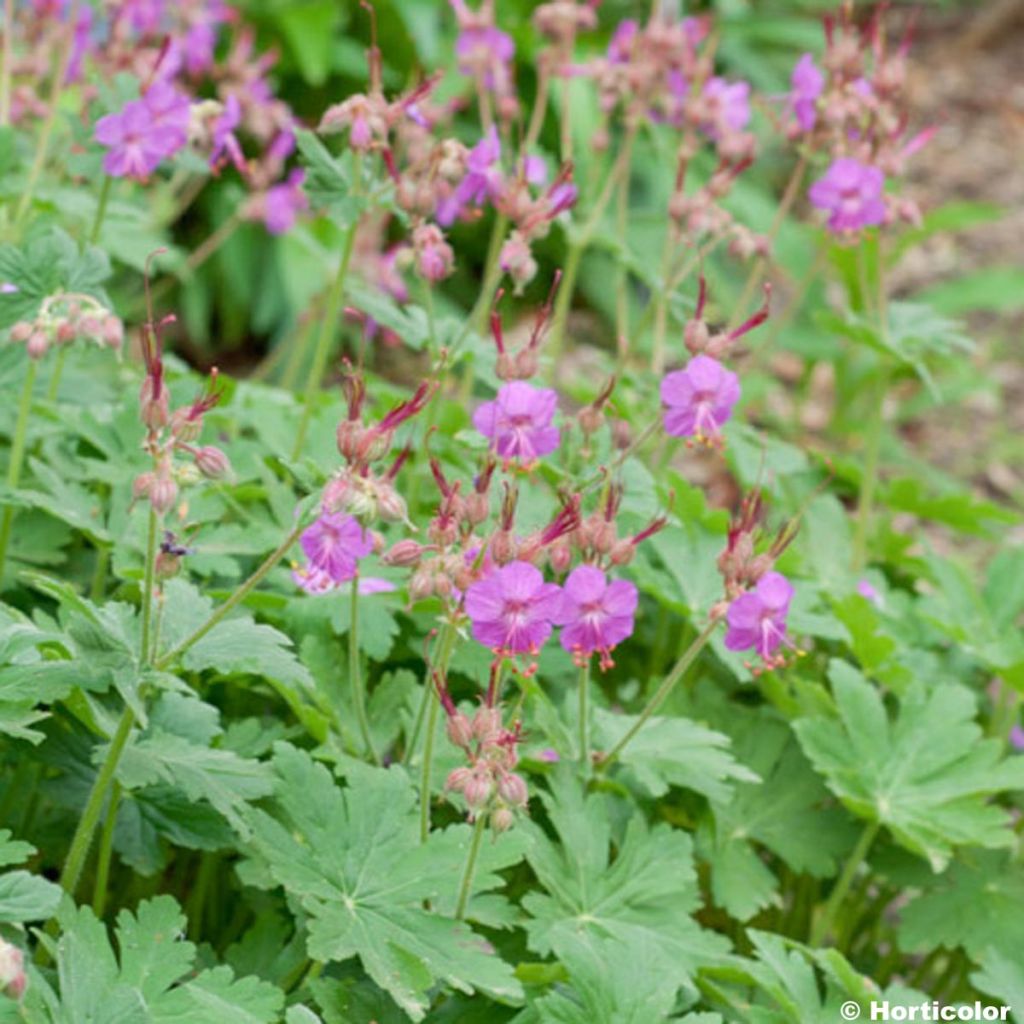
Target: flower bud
142, 485
459, 729
349, 438
560, 555
457, 779
404, 554
478, 508
163, 493
13, 979
517, 261
390, 505
37, 345
502, 547
212, 462
186, 425
421, 586
512, 789
527, 363
21, 331
622, 552
487, 724
502, 819
112, 332
153, 410
478, 788
66, 332
505, 367
696, 336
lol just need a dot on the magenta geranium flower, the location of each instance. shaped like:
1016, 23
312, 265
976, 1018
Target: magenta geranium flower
595, 615
620, 46
483, 180
518, 421
284, 202
334, 544
699, 399
852, 193
807, 84
757, 619
512, 611
132, 149
728, 104
144, 132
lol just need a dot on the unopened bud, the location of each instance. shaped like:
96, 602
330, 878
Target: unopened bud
162, 494
502, 819
37, 345
622, 552
404, 554
457, 779
478, 788
460, 730
421, 586
153, 410
486, 724
391, 505
212, 462
560, 556
113, 332
185, 425
142, 485
527, 363
696, 336
13, 979
478, 508
512, 789
21, 331
66, 332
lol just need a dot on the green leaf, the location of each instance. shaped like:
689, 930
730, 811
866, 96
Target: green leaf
329, 181
926, 775
787, 813
975, 904
1002, 976
993, 289
611, 982
151, 981
49, 262
228, 782
309, 29
673, 751
353, 860
27, 897
643, 896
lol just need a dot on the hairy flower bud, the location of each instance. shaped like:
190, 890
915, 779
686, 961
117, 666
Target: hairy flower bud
457, 779
502, 819
459, 730
163, 493
560, 555
622, 552
21, 331
186, 425
421, 586
478, 788
37, 344
512, 789
404, 554
13, 979
112, 332
487, 724
212, 462
153, 409
142, 485
478, 508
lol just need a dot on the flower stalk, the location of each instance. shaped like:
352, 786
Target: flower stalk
16, 458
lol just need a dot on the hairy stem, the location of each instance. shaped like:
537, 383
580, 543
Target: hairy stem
584, 711
101, 209
466, 886
147, 589
356, 676
433, 705
82, 839
823, 925
16, 458
239, 595
686, 659
99, 890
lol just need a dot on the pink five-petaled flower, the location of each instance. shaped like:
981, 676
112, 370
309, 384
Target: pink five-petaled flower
728, 105
144, 132
595, 615
806, 85
852, 193
334, 544
758, 618
518, 421
284, 202
512, 609
699, 399
483, 180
